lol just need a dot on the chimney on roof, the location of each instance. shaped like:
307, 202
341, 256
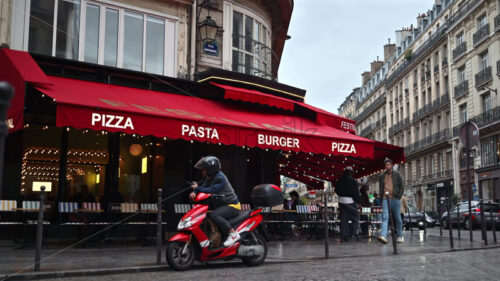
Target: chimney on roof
389, 50
365, 77
375, 66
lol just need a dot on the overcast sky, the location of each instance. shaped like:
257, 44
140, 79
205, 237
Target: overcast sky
334, 41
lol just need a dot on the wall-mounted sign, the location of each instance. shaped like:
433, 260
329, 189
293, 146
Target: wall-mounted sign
211, 48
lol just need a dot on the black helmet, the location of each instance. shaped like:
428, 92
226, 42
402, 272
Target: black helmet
211, 163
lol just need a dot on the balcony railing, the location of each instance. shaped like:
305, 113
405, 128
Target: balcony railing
496, 21
481, 34
459, 51
461, 89
429, 108
438, 175
260, 62
445, 98
483, 77
378, 101
436, 138
384, 120
367, 130
487, 118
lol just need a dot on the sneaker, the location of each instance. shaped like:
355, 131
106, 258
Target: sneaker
382, 239
231, 239
400, 240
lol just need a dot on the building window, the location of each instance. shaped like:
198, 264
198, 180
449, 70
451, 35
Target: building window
484, 61
486, 102
440, 163
490, 151
459, 38
108, 35
482, 21
251, 49
461, 74
463, 113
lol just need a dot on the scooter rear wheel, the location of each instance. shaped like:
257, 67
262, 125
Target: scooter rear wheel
256, 260
177, 259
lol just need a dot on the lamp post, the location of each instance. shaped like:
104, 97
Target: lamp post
6, 93
208, 29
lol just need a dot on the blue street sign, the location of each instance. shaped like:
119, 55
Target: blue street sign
211, 48
291, 185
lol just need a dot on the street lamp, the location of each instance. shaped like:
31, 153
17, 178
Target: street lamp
208, 29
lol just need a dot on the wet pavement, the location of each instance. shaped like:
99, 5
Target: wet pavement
127, 256
463, 265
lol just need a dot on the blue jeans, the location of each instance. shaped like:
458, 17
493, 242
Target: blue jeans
395, 208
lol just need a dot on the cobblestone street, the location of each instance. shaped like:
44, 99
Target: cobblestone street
463, 265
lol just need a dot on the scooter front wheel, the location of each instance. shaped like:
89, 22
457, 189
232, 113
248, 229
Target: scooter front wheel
180, 255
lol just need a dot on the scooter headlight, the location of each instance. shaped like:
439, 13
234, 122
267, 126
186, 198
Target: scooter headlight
186, 223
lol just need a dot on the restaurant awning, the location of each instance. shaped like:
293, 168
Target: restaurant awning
90, 105
320, 116
18, 68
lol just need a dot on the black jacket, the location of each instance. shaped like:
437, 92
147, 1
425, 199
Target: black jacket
347, 186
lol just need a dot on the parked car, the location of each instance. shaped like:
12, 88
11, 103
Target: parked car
418, 219
462, 218
488, 209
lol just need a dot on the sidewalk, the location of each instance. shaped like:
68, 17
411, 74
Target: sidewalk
124, 258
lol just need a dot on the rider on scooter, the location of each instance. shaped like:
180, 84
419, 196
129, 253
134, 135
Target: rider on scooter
216, 183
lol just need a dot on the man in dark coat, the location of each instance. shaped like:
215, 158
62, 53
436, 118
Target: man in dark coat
348, 192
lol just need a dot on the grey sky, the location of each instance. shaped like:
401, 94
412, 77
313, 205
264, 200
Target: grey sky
334, 41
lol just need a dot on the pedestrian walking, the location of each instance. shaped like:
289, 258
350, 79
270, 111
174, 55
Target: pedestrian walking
347, 190
391, 190
404, 208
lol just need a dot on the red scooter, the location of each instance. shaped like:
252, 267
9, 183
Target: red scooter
191, 243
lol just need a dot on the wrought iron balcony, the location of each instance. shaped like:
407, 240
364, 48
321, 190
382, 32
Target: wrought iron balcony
496, 20
481, 34
483, 77
445, 98
487, 118
436, 138
378, 101
461, 89
459, 51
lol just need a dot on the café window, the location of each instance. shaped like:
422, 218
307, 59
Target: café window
104, 34
490, 151
251, 45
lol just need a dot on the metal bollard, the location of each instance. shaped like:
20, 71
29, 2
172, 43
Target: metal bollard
483, 223
425, 224
440, 218
409, 221
159, 228
392, 224
493, 226
450, 223
458, 222
325, 215
39, 229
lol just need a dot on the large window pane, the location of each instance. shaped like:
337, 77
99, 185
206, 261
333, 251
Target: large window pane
41, 27
155, 45
248, 33
68, 29
237, 28
111, 37
132, 41
92, 34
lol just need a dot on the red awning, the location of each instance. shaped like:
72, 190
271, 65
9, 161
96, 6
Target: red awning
17, 68
322, 117
241, 94
98, 106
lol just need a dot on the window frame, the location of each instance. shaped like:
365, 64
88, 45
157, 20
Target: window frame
171, 22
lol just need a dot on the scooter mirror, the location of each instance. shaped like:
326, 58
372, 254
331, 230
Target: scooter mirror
201, 196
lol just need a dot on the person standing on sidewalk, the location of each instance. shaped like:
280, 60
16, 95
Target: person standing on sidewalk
404, 208
347, 190
391, 187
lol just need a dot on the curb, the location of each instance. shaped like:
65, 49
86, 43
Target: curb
105, 271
